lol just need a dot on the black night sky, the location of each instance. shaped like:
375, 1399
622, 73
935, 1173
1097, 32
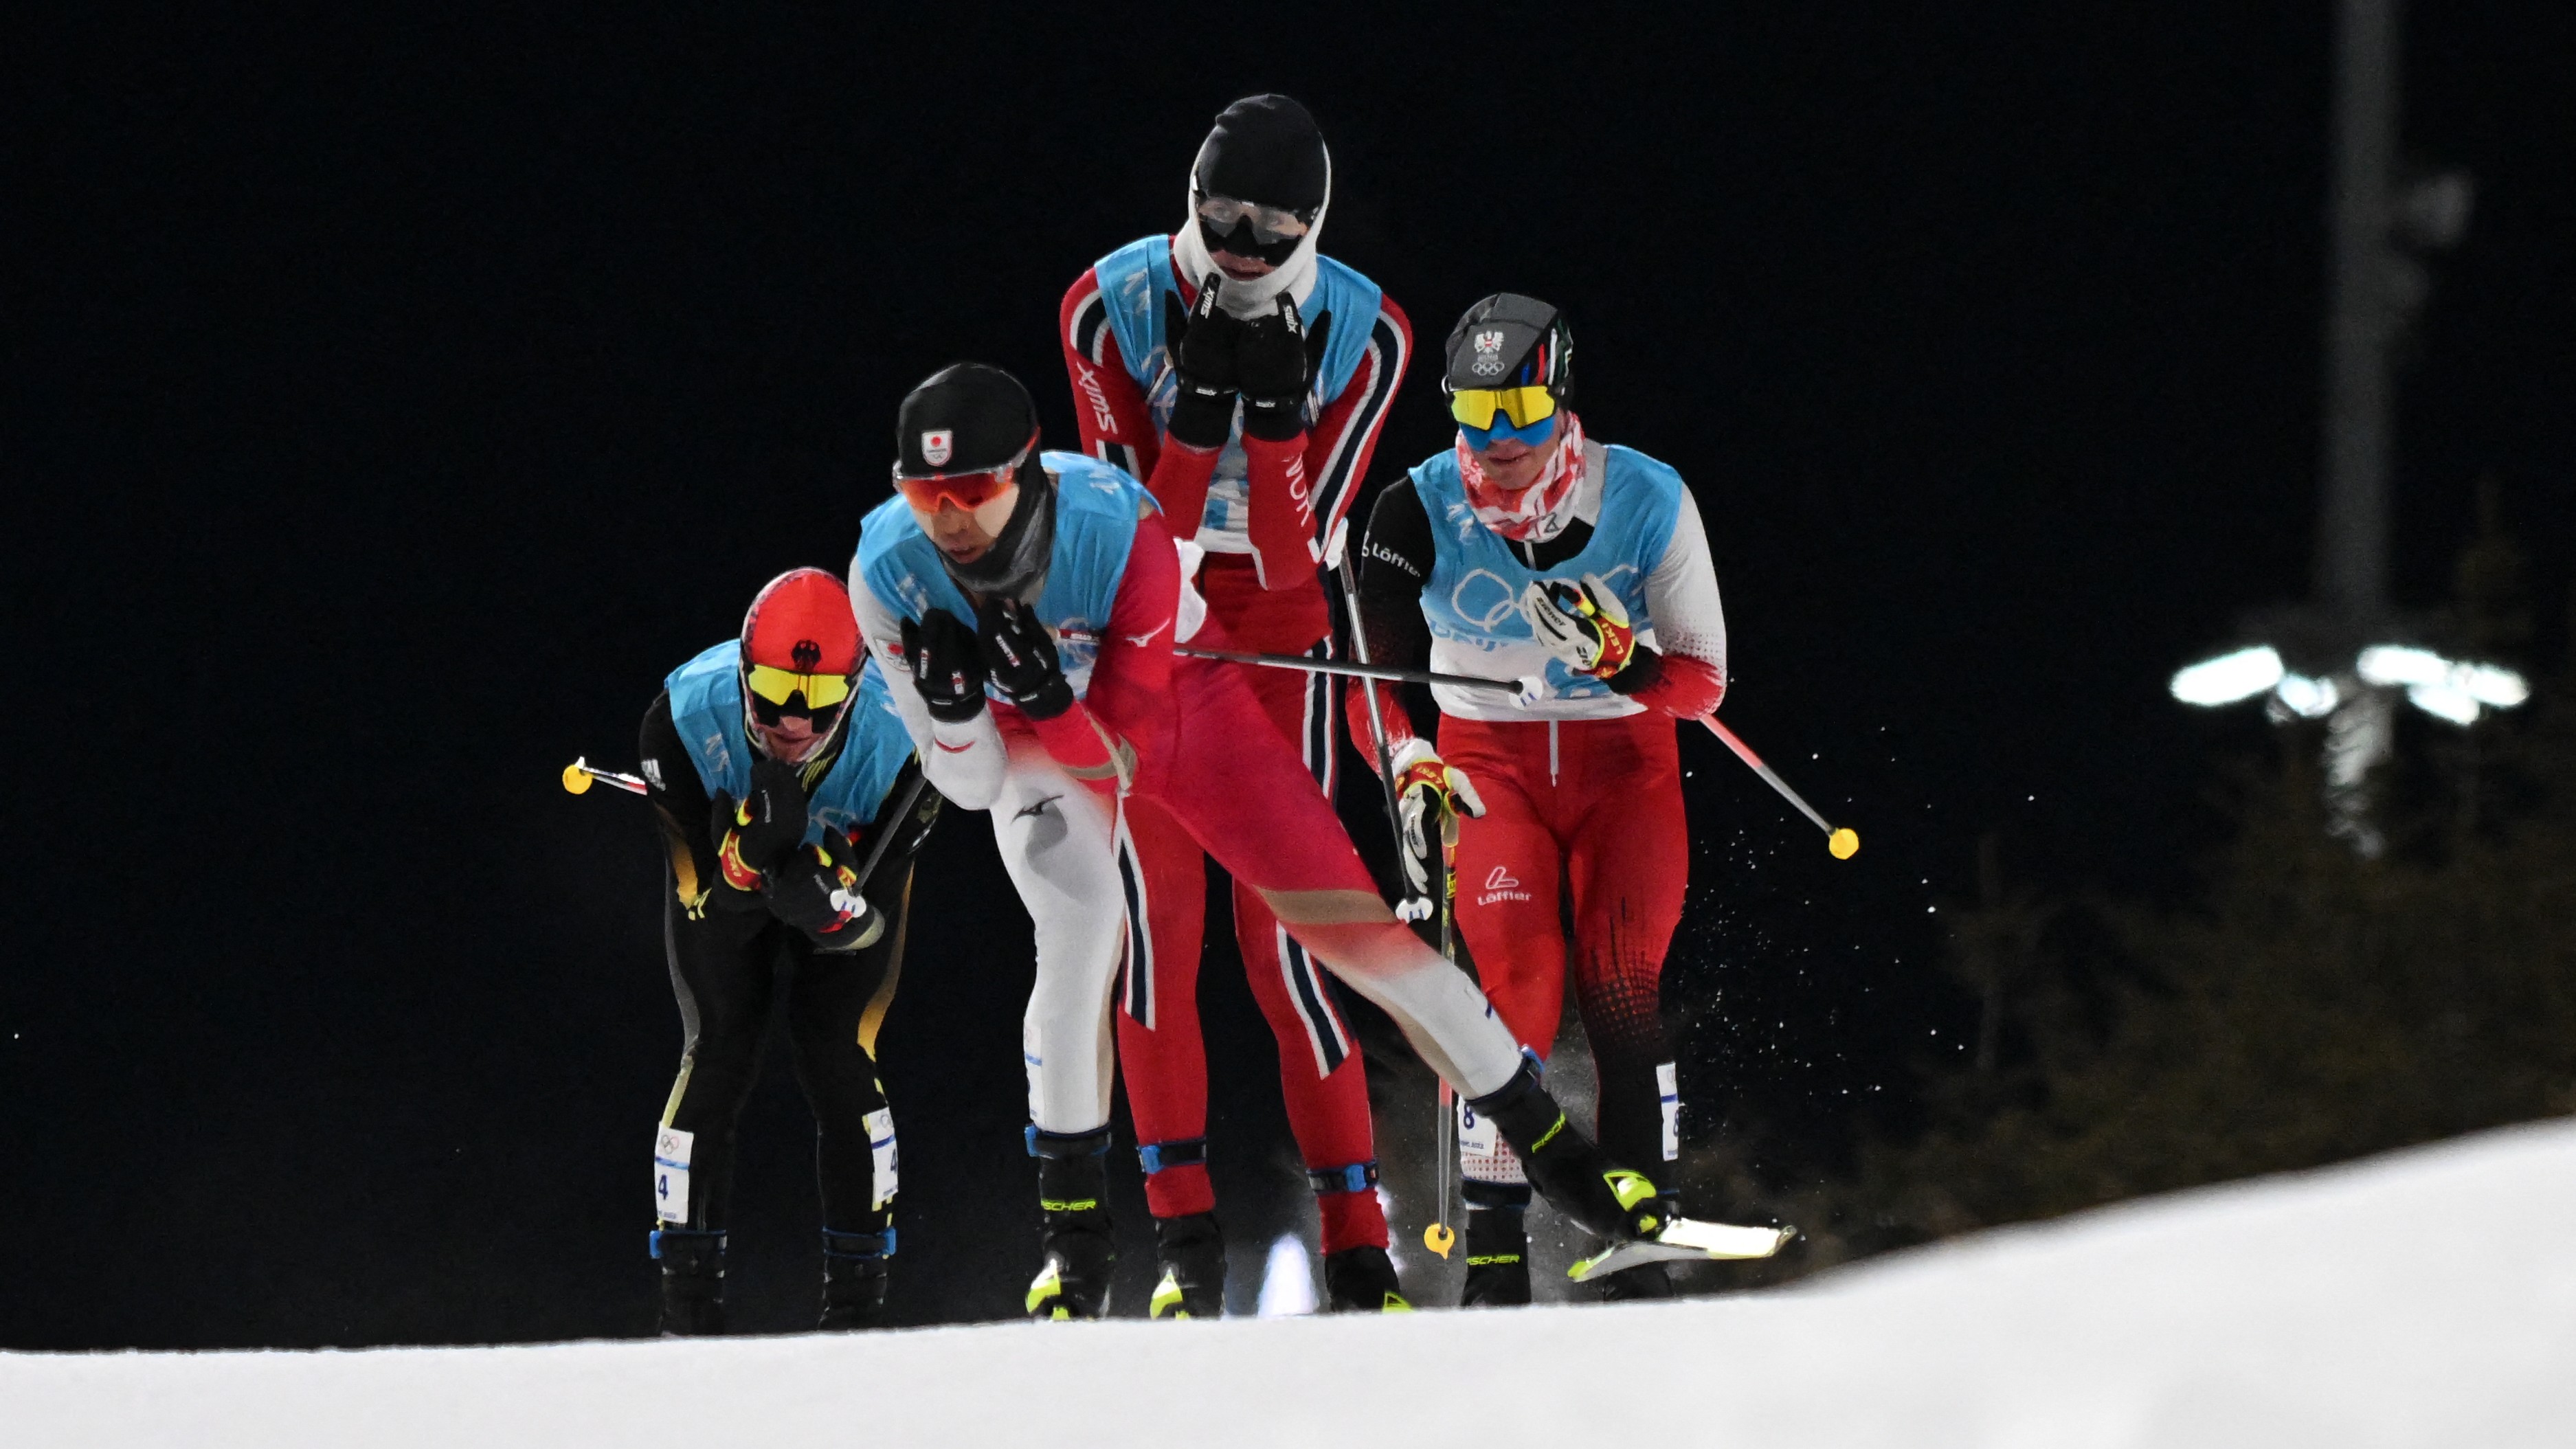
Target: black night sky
392, 402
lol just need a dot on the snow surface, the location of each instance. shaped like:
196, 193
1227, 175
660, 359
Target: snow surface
2428, 1298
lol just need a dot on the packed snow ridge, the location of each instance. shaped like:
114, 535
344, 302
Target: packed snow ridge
2426, 1298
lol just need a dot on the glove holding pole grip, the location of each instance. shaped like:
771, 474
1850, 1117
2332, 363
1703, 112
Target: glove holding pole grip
1583, 625
947, 667
1430, 795
1020, 655
1275, 358
759, 830
816, 890
1202, 341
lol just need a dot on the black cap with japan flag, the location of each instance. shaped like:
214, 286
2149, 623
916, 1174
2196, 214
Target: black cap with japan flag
964, 418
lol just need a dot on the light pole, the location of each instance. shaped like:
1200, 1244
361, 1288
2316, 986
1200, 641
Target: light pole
2346, 654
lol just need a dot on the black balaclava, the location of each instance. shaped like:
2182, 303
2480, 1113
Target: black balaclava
1268, 151
1263, 149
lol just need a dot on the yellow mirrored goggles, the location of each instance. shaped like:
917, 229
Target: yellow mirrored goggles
1476, 406
821, 691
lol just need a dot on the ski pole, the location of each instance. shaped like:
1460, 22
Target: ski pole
578, 775
886, 823
1440, 1237
1523, 691
1842, 841
1408, 909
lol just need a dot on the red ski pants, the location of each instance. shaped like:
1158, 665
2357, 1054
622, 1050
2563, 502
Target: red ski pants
1279, 716
1591, 811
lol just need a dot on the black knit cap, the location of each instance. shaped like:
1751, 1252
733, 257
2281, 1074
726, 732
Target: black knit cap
1266, 150
964, 418
1508, 340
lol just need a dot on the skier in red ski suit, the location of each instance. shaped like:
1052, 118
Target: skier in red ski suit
1529, 551
1062, 705
1158, 360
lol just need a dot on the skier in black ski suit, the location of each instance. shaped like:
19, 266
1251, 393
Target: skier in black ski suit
773, 763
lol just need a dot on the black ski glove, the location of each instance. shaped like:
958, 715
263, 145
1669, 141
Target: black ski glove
1021, 657
1201, 341
945, 666
756, 832
1274, 363
816, 890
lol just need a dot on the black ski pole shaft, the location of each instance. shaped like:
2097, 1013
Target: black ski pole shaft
1349, 578
1361, 670
888, 822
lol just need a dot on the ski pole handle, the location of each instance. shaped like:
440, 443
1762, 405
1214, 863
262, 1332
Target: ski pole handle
578, 775
1842, 841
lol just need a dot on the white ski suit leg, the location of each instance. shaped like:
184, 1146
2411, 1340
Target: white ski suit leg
1058, 839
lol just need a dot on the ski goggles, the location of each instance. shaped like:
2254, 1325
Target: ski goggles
1488, 415
771, 688
969, 491
1271, 225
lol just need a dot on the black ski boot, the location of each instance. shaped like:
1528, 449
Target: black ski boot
1497, 1251
1191, 1250
692, 1281
1073, 1188
1362, 1280
1575, 1176
1646, 1280
854, 1278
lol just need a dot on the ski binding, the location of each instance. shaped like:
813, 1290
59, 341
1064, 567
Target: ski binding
1685, 1239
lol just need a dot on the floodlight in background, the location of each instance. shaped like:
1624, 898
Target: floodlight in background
2345, 655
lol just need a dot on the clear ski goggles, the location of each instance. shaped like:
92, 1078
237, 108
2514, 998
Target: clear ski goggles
771, 688
1271, 225
1488, 415
969, 491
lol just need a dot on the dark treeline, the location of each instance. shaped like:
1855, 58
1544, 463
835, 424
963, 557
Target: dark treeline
2302, 1005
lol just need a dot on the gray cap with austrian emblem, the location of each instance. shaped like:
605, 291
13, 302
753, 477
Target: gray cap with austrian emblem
1508, 340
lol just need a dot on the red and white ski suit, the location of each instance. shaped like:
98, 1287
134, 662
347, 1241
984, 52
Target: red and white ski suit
1583, 807
1321, 1073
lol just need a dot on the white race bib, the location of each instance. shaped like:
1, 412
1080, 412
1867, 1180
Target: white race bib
1483, 1155
1668, 1085
881, 1152
671, 1174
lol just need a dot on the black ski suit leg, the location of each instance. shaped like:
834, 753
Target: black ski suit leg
723, 966
834, 1003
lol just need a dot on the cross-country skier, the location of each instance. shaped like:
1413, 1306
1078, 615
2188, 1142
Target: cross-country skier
1527, 549
773, 760
1061, 700
1245, 377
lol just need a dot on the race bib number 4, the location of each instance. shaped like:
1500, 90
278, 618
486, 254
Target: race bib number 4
671, 1174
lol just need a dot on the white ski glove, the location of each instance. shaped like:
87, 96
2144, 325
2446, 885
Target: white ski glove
1430, 795
1584, 626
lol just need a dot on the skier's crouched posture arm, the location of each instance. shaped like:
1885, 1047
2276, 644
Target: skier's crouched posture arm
776, 765
1527, 550
1022, 713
